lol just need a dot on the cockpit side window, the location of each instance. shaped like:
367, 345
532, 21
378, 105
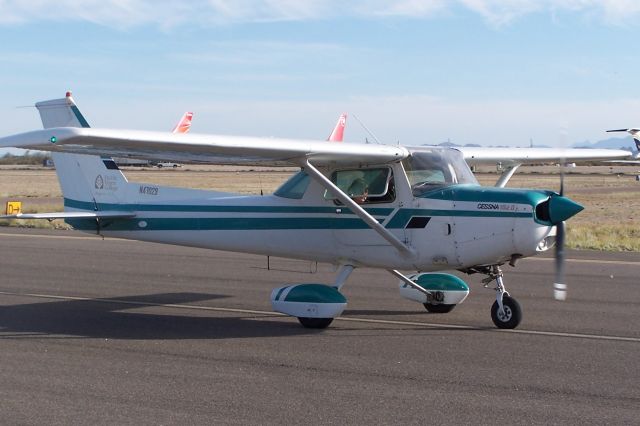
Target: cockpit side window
365, 186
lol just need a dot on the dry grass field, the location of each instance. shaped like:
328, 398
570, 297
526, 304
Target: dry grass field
610, 221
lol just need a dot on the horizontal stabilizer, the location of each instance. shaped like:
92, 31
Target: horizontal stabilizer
71, 215
632, 130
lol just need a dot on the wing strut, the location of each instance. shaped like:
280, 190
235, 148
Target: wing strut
506, 175
410, 283
357, 210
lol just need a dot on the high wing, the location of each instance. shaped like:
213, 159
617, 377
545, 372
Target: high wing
201, 148
506, 156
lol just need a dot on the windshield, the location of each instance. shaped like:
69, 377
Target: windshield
431, 168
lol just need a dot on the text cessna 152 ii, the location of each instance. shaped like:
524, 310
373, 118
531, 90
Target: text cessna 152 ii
350, 205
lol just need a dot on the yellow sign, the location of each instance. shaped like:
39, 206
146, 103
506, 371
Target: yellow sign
14, 207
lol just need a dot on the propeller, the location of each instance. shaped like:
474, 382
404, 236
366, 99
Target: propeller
560, 285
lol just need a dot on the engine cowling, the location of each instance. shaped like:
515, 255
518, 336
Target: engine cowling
445, 289
308, 301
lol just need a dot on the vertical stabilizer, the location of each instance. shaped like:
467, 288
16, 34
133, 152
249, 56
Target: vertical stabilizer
89, 179
184, 124
61, 113
86, 180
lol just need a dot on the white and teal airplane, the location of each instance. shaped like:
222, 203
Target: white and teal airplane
350, 205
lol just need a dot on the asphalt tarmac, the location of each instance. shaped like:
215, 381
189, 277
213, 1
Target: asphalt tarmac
109, 331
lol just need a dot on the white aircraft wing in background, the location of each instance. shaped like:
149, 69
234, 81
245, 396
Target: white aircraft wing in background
475, 156
512, 158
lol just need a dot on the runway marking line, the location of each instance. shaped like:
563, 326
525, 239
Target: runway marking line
61, 237
97, 237
361, 320
610, 262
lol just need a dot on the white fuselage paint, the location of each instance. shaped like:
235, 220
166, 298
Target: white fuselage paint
316, 228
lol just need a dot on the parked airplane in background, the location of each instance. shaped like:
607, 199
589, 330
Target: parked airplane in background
184, 125
634, 132
351, 205
338, 131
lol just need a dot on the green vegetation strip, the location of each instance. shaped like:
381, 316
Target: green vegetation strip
603, 237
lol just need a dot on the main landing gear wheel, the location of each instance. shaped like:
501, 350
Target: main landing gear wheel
511, 316
438, 309
315, 322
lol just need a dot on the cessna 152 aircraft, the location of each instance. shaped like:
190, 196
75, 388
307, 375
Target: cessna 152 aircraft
350, 205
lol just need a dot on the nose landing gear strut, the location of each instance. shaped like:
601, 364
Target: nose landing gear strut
505, 311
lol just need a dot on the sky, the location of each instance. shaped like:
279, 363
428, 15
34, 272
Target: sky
489, 72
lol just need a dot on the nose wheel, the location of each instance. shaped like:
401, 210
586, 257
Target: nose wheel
505, 311
510, 315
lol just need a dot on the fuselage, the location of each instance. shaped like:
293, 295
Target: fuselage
448, 220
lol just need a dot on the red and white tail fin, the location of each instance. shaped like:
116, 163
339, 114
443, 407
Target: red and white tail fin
184, 124
338, 131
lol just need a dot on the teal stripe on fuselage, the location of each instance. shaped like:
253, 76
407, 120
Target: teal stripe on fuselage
220, 224
84, 205
400, 219
487, 194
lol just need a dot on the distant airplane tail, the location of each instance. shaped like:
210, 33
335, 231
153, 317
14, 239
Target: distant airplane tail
184, 125
635, 134
338, 131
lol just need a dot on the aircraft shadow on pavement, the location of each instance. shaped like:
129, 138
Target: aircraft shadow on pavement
382, 312
108, 318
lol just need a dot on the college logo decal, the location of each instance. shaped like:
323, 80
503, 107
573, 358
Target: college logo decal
99, 182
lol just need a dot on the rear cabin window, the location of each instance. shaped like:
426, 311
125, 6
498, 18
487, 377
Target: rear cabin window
364, 186
294, 187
